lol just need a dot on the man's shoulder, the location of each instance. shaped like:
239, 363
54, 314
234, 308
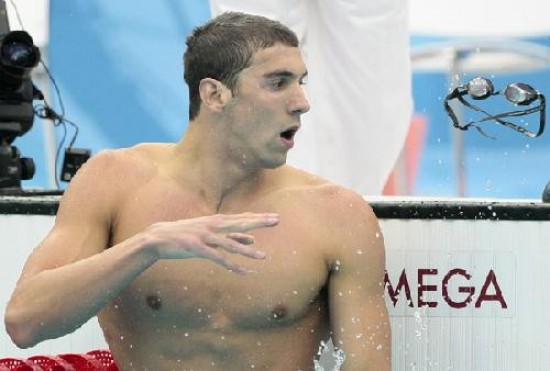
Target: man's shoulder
303, 180
326, 195
113, 169
341, 216
125, 161
140, 151
111, 176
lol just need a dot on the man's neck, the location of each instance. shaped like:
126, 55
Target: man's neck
207, 169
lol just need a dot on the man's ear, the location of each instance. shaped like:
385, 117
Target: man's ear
214, 94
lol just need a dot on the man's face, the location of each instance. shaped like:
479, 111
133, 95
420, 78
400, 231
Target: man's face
266, 107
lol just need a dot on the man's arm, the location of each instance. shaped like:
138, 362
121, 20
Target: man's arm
359, 317
72, 275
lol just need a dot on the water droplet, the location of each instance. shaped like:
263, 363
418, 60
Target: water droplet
339, 357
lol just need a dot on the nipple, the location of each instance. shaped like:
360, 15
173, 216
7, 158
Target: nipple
279, 312
154, 302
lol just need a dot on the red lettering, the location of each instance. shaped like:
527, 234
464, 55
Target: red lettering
402, 283
422, 288
486, 293
483, 296
465, 289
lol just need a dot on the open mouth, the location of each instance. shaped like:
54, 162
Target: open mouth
289, 134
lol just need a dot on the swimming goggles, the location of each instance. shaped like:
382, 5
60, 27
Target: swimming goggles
520, 94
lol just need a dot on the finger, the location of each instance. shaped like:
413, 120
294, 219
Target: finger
234, 247
220, 259
245, 239
248, 221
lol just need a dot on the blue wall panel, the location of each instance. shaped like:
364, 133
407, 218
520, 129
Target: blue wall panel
118, 65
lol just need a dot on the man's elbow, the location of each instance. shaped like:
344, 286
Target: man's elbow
21, 332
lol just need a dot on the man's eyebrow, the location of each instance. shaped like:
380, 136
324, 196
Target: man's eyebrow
279, 73
283, 73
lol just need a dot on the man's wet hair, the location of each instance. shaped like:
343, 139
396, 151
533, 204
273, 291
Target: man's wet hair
223, 47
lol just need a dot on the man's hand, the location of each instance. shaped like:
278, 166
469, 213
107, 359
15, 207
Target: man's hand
204, 237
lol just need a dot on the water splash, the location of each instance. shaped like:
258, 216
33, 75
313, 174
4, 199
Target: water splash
338, 355
421, 322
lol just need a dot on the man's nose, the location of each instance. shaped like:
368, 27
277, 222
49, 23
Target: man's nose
299, 103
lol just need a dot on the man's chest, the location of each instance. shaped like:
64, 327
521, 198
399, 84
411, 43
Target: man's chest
280, 289
201, 294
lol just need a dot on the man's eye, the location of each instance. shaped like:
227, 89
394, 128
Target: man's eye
303, 81
278, 83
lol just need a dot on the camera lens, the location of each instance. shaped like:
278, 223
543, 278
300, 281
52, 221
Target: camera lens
18, 54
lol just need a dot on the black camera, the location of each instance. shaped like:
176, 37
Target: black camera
18, 56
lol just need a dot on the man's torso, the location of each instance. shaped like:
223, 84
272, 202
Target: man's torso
194, 314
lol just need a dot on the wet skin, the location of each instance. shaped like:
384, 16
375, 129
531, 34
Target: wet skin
198, 314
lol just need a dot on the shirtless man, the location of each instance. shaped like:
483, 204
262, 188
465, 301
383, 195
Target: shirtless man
211, 253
